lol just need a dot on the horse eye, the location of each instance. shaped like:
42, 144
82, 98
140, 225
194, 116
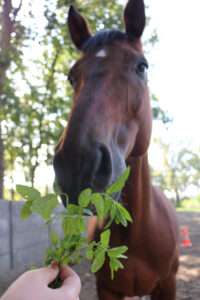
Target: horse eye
70, 79
142, 68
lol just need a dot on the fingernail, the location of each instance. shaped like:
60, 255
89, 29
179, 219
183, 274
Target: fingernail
54, 264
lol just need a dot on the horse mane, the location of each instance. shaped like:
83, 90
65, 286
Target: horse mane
104, 38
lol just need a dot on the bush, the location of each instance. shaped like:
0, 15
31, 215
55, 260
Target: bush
190, 204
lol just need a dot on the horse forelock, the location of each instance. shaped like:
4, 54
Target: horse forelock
105, 38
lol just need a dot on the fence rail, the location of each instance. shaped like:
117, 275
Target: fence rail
22, 242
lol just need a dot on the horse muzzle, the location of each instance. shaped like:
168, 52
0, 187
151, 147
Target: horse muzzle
94, 165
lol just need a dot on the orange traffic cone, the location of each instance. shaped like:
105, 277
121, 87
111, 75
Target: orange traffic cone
186, 240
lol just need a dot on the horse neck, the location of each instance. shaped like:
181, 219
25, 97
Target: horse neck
138, 190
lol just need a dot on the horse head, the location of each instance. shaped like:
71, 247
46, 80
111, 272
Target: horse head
111, 116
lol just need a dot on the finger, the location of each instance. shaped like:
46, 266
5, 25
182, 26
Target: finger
71, 281
66, 272
48, 274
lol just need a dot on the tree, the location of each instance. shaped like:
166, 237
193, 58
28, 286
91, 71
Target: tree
35, 118
194, 164
10, 36
54, 64
158, 112
178, 171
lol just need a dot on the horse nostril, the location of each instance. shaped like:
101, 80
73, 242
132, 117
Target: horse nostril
102, 169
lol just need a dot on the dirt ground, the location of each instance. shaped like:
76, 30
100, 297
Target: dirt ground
188, 278
189, 270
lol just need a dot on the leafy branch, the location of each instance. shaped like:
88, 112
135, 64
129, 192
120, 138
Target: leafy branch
71, 247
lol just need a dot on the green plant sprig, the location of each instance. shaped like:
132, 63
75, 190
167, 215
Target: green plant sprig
73, 245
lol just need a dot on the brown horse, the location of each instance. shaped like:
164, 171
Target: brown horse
109, 128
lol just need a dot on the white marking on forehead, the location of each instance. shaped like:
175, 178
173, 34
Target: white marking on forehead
101, 53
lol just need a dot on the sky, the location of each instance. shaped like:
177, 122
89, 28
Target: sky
173, 74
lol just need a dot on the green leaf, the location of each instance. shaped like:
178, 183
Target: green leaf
115, 264
26, 210
74, 209
118, 185
107, 204
113, 210
56, 187
117, 251
89, 252
88, 212
50, 256
74, 242
34, 268
112, 214
98, 260
82, 224
83, 241
124, 212
61, 246
57, 216
54, 238
66, 260
122, 256
120, 218
79, 259
84, 197
105, 238
71, 246
27, 192
45, 205
98, 202
108, 224
71, 225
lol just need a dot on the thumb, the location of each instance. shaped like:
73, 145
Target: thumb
48, 274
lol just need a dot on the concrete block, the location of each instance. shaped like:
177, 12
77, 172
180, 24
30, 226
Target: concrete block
29, 254
30, 237
34, 222
4, 262
24, 239
4, 218
4, 235
58, 228
4, 245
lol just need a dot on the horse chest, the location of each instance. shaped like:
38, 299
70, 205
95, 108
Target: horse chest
143, 268
137, 277
143, 277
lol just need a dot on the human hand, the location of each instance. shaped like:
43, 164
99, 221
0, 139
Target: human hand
33, 285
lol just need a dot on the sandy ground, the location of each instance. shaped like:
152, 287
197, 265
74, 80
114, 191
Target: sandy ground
188, 278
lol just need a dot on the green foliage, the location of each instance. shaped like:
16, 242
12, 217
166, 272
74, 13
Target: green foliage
178, 170
119, 183
35, 203
45, 205
27, 192
84, 197
158, 112
192, 205
26, 210
36, 104
54, 238
73, 244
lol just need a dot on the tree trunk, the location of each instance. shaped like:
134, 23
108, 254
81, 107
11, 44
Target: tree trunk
4, 64
178, 200
2, 164
5, 39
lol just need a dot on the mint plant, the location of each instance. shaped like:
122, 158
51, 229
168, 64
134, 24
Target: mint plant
73, 245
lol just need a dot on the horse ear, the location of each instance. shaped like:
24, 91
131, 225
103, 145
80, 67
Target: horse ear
134, 17
78, 28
